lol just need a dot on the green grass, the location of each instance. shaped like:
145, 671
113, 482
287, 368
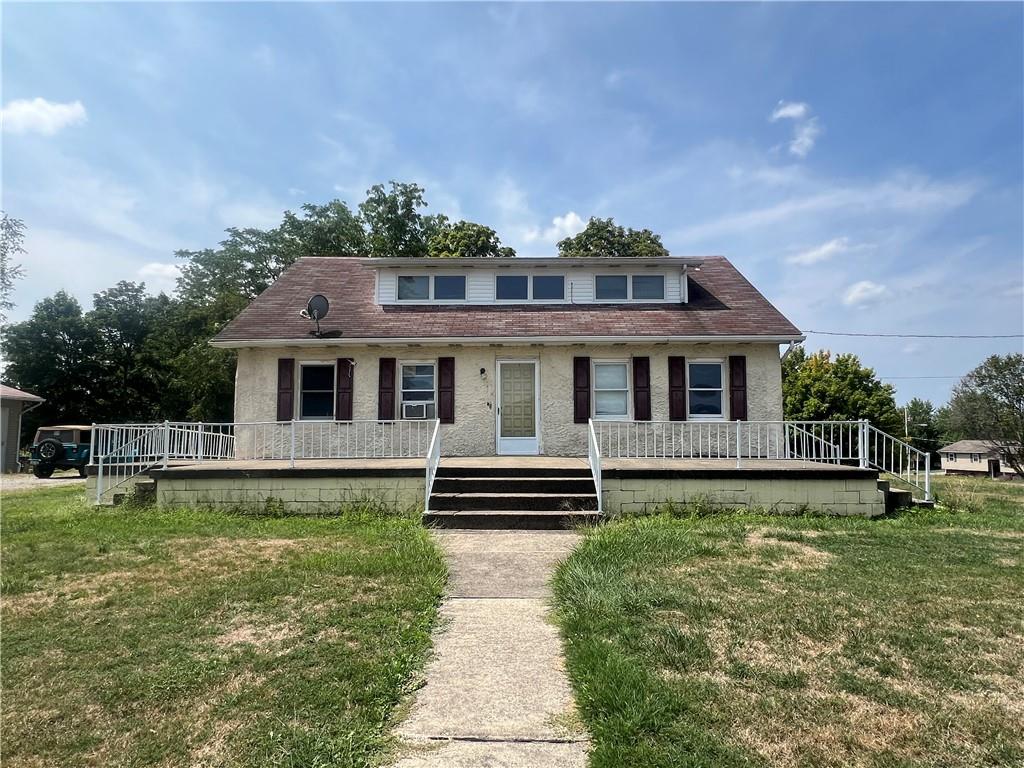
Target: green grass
755, 640
135, 637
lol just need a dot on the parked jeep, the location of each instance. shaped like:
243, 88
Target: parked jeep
61, 447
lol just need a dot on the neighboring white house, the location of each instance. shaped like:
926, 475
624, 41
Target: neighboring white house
512, 356
13, 403
974, 457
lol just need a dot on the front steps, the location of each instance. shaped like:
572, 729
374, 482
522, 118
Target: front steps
900, 498
512, 497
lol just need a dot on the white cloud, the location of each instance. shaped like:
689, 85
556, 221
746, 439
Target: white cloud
250, 214
790, 110
806, 129
819, 253
862, 293
561, 227
804, 136
160, 276
41, 116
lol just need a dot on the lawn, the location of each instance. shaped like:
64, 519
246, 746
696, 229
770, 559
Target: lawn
136, 637
755, 640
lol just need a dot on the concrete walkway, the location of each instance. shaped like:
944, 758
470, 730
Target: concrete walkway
496, 693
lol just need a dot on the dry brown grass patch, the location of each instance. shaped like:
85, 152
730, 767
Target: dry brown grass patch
799, 555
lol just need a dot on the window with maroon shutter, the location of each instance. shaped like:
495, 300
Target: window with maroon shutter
677, 388
343, 385
738, 387
285, 389
641, 389
581, 390
446, 390
386, 390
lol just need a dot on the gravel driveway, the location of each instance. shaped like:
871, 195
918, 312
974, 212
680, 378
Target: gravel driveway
27, 482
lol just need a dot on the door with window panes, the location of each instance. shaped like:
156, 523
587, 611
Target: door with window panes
517, 411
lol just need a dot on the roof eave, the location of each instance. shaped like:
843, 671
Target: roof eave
520, 262
505, 340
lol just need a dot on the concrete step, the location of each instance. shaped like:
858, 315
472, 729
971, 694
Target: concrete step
490, 502
509, 518
527, 471
532, 484
897, 498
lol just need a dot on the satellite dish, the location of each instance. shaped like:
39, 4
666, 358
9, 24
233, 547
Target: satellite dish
316, 309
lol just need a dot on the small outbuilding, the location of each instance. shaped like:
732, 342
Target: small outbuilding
13, 403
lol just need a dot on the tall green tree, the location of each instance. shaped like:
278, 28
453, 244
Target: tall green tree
988, 405
603, 237
921, 425
464, 239
817, 387
12, 239
53, 354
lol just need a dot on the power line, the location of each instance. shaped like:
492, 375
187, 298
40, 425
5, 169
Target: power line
920, 335
921, 377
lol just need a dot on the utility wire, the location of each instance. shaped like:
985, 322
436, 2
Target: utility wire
922, 377
919, 335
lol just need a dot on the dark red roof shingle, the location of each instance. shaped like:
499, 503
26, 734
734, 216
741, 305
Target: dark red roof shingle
722, 303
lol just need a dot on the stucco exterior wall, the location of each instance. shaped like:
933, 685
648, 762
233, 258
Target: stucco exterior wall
474, 430
9, 436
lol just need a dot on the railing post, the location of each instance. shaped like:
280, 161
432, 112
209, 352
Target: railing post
167, 441
99, 481
199, 444
928, 476
739, 461
862, 447
293, 444
92, 444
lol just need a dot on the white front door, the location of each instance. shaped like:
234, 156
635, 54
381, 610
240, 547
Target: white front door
518, 407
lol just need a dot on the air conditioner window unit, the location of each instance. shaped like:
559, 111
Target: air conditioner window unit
414, 410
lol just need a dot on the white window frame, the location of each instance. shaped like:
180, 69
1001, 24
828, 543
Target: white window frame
723, 389
529, 287
975, 458
401, 389
430, 289
628, 415
565, 286
629, 287
333, 365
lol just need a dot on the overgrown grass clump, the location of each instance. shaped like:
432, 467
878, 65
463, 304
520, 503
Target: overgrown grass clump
751, 640
137, 636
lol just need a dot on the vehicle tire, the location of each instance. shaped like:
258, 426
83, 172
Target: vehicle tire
42, 471
51, 451
81, 471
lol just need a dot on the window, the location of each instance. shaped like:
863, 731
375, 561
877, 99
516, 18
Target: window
648, 287
418, 391
611, 390
413, 287
316, 391
512, 288
704, 396
950, 457
976, 457
450, 287
610, 288
548, 288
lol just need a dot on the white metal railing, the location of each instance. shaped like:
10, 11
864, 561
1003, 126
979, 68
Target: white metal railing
898, 459
433, 460
594, 460
834, 442
122, 451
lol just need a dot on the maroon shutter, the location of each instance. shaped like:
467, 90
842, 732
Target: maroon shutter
581, 390
386, 390
738, 387
285, 389
446, 390
677, 388
641, 389
343, 382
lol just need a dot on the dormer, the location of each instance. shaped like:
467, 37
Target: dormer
527, 281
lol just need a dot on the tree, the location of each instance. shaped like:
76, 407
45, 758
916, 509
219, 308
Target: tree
395, 227
464, 239
12, 238
53, 353
816, 387
988, 405
921, 425
603, 237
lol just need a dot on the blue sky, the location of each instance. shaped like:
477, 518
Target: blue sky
861, 164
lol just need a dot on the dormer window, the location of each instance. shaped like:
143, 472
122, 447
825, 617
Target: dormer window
427, 287
512, 288
611, 288
648, 287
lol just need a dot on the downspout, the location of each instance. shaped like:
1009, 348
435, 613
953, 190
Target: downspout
22, 412
792, 345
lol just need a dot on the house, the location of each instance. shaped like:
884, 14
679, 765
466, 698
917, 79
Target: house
506, 392
13, 403
975, 457
512, 356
